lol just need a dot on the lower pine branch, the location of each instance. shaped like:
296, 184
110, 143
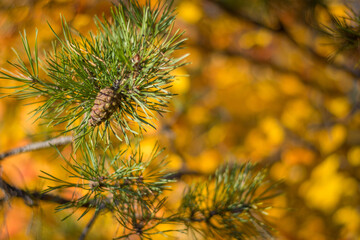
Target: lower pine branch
30, 198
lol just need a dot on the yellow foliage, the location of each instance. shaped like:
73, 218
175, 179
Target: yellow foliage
332, 139
313, 228
14, 130
198, 114
206, 162
189, 11
181, 83
296, 174
195, 57
230, 73
272, 130
296, 113
216, 134
257, 145
301, 33
147, 146
278, 171
326, 186
354, 156
290, 173
338, 9
327, 168
291, 85
222, 30
321, 14
340, 106
348, 216
261, 38
81, 20
267, 91
174, 162
262, 140
298, 155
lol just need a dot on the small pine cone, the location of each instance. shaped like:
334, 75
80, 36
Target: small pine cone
105, 104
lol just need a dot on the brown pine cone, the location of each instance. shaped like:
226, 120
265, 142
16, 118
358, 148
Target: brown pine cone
105, 104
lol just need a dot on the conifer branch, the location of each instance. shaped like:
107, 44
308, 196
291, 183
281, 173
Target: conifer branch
231, 203
30, 198
37, 146
101, 84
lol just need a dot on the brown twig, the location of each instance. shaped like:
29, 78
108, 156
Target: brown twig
89, 225
30, 198
182, 172
37, 145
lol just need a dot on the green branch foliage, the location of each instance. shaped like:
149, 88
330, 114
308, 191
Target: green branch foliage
230, 205
106, 181
143, 219
104, 82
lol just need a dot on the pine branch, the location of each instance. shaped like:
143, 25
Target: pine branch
111, 180
37, 146
30, 198
101, 84
231, 204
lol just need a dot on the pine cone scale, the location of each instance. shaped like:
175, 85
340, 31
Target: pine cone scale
105, 104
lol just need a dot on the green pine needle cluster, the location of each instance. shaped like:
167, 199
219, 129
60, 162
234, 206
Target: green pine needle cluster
110, 180
131, 53
231, 203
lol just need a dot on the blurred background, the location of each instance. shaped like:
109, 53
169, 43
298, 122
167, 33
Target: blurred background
260, 88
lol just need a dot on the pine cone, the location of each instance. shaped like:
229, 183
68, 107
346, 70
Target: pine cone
105, 104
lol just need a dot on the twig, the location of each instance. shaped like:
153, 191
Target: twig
182, 172
37, 145
32, 197
29, 197
89, 225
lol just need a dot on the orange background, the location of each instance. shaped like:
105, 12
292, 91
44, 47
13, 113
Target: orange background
249, 94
